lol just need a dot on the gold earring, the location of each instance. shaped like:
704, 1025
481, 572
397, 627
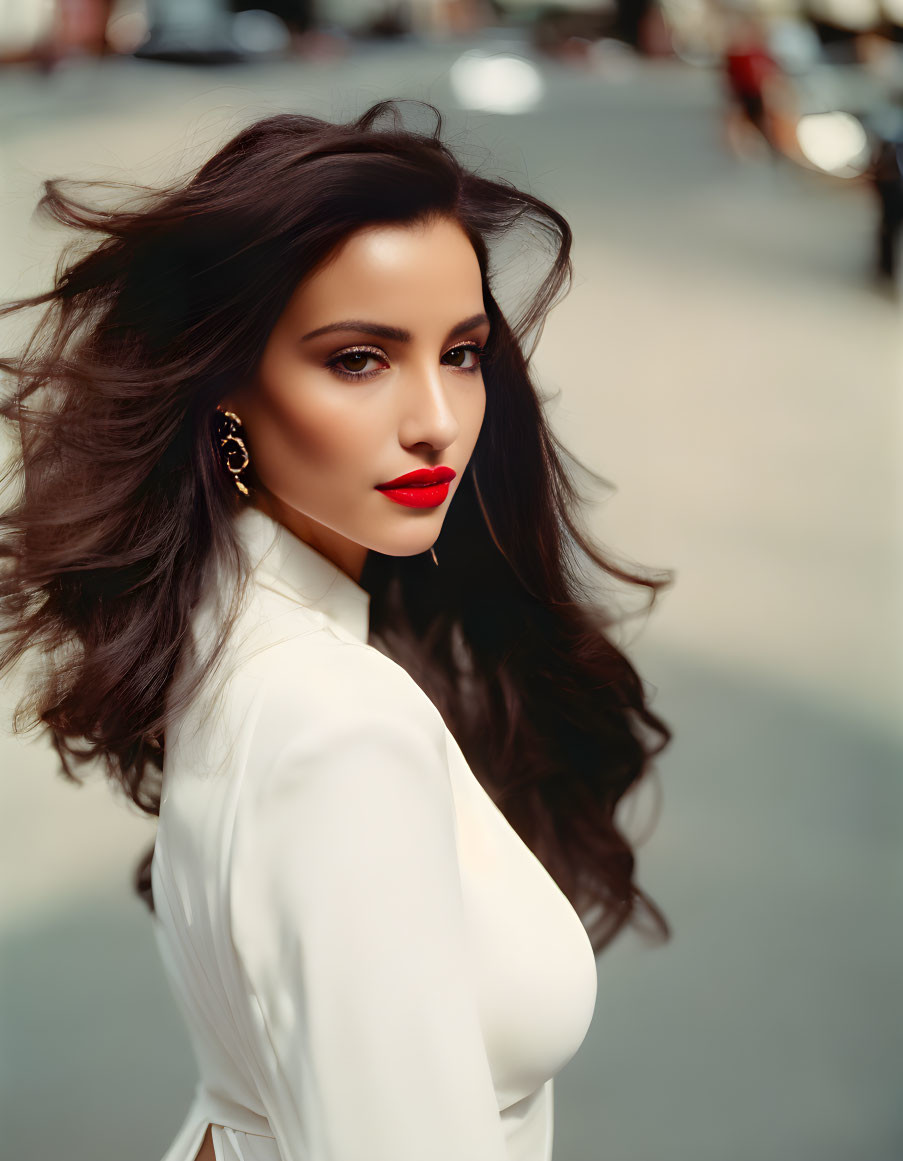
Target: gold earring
228, 427
433, 551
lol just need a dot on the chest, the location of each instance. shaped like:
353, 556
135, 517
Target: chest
534, 964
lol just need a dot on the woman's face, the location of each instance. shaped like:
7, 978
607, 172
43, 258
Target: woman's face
372, 371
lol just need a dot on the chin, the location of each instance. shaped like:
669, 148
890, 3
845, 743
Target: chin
419, 540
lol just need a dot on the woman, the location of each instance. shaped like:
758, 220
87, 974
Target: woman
302, 554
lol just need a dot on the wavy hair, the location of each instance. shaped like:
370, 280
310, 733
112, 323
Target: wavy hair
123, 509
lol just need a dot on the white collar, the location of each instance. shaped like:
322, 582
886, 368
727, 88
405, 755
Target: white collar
302, 573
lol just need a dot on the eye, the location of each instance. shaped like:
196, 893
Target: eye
355, 362
351, 364
464, 358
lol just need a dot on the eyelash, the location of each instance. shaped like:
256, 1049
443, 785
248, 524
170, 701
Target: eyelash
343, 373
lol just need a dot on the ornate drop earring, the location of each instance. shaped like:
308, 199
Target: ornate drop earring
234, 458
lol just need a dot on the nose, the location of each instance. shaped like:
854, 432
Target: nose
428, 416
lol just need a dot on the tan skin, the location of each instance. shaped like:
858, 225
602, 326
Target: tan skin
319, 442
206, 1151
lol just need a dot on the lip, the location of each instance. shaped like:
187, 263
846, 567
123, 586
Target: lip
420, 478
417, 495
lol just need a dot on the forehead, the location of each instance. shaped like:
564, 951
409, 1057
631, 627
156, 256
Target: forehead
394, 274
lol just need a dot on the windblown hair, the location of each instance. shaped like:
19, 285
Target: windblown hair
124, 509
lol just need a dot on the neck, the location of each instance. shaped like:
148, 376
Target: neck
345, 554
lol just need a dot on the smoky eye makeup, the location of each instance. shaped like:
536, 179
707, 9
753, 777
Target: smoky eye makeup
358, 357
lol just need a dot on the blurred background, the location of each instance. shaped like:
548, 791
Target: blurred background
729, 359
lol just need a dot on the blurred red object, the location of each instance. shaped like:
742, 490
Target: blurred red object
747, 67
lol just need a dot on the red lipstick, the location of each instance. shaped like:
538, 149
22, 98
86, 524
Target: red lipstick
422, 488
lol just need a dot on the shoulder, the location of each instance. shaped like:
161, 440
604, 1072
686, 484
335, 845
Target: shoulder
340, 727
312, 666
316, 693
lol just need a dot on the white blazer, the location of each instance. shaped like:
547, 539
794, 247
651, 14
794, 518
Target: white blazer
371, 964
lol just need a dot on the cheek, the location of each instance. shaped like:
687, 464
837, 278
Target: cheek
294, 418
311, 441
477, 412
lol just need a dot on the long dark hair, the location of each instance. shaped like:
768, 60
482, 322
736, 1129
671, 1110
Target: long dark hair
124, 507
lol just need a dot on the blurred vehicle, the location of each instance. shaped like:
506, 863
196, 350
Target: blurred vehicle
831, 105
190, 32
840, 112
568, 28
44, 34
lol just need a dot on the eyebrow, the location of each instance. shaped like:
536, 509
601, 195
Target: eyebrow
397, 333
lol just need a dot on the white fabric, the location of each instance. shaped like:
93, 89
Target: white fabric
371, 964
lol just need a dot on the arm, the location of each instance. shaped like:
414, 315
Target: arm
348, 920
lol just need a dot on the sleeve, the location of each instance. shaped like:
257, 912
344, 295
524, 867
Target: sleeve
348, 920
